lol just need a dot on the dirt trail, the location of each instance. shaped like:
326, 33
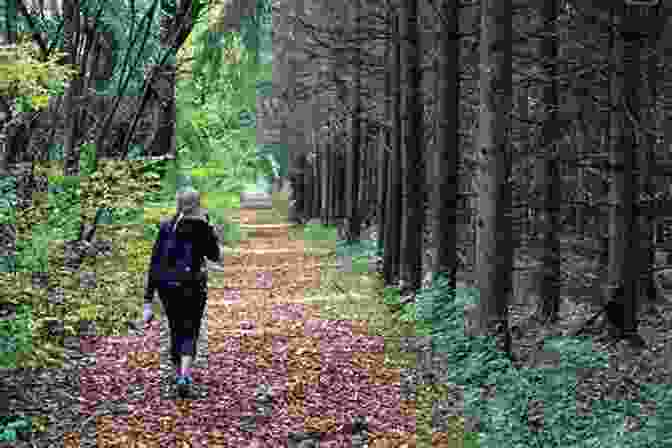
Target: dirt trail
269, 369
264, 272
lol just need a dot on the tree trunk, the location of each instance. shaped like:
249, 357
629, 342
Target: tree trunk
70, 151
331, 180
582, 147
622, 271
325, 178
495, 251
381, 181
550, 217
647, 156
317, 180
446, 156
394, 202
355, 150
165, 138
363, 178
7, 37
524, 137
307, 187
413, 211
342, 191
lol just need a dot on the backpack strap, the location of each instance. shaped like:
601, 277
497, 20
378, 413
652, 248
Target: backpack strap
176, 220
201, 271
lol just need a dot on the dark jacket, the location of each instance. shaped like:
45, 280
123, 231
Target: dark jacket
205, 244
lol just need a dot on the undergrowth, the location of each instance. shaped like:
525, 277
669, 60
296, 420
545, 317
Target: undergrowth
474, 363
216, 154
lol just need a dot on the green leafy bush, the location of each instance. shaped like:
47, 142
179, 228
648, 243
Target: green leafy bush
475, 362
215, 155
7, 200
87, 159
15, 337
10, 427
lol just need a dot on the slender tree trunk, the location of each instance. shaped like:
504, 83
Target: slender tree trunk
381, 180
647, 222
622, 271
524, 111
333, 173
550, 216
70, 151
307, 187
365, 189
412, 155
165, 138
582, 134
446, 156
324, 178
7, 114
495, 251
317, 179
581, 148
394, 202
355, 149
342, 190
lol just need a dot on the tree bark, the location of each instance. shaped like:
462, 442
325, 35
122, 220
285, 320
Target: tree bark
165, 138
550, 217
355, 147
324, 178
647, 223
413, 211
622, 271
381, 181
495, 249
393, 204
70, 150
317, 174
446, 156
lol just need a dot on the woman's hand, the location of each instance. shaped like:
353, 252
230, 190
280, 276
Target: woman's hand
147, 314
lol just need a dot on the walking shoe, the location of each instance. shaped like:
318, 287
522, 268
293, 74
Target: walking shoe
184, 384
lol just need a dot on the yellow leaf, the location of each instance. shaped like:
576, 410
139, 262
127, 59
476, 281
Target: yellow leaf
40, 101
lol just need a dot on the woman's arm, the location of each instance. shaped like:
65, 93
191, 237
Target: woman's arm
212, 246
153, 266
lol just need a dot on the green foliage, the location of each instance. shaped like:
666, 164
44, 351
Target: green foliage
63, 207
392, 296
211, 140
274, 159
358, 249
216, 155
87, 159
256, 30
7, 200
15, 337
475, 362
23, 75
317, 232
10, 426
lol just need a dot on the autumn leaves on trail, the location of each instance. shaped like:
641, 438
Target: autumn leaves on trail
275, 370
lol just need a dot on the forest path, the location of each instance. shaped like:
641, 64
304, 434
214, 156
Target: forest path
269, 372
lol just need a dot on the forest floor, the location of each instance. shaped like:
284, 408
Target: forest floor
294, 349
282, 361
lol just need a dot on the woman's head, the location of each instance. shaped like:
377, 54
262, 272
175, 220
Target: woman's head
188, 202
189, 205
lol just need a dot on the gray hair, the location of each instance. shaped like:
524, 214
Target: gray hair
188, 203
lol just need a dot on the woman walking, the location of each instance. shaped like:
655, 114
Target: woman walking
177, 270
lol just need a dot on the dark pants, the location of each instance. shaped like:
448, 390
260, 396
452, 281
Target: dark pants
184, 305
